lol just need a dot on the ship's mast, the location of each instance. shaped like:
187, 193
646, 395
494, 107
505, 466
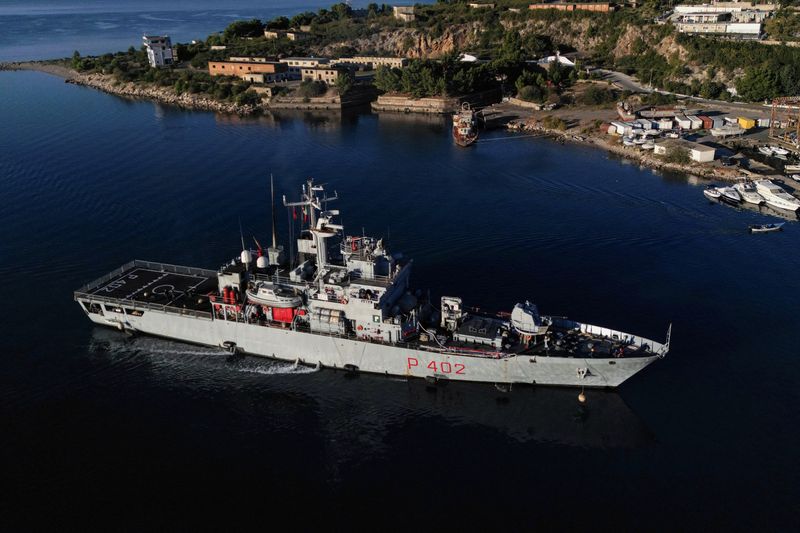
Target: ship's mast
320, 234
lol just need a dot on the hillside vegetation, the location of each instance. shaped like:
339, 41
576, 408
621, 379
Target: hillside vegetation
625, 40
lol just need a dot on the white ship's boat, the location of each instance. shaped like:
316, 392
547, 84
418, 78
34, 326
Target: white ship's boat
648, 146
357, 312
712, 194
747, 190
795, 177
776, 197
267, 293
729, 195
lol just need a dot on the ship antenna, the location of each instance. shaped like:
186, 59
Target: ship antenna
241, 234
272, 196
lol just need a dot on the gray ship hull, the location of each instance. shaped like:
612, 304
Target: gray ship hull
332, 351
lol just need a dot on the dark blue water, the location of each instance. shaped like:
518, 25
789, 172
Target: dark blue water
46, 29
98, 427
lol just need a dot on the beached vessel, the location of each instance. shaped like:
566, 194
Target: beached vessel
357, 312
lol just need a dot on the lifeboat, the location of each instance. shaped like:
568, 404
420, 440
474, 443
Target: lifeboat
265, 293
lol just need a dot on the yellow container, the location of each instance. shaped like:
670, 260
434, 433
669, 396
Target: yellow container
747, 123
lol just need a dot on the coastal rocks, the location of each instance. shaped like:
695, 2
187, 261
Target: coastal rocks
161, 94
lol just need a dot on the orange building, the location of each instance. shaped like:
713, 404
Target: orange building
600, 7
250, 68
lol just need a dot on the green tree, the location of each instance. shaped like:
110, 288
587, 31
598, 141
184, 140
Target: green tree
344, 82
278, 23
677, 155
243, 28
758, 83
387, 79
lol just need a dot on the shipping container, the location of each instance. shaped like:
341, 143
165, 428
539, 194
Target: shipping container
707, 122
683, 122
665, 124
696, 122
718, 122
747, 123
763, 123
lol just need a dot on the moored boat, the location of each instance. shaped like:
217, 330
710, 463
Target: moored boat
729, 195
776, 197
465, 126
766, 150
712, 194
747, 190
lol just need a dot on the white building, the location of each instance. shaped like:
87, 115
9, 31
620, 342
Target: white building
297, 64
564, 61
159, 50
404, 13
371, 62
697, 152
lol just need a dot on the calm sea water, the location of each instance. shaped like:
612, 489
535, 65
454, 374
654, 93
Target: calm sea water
47, 29
99, 428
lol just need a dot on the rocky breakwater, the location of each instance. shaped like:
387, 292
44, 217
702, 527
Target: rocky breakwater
165, 95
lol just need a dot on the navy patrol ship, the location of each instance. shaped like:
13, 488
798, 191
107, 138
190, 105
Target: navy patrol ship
346, 302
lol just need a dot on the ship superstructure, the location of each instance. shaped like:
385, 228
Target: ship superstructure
344, 301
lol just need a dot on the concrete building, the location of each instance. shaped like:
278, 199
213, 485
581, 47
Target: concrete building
254, 69
296, 64
404, 13
292, 35
476, 5
736, 20
159, 50
697, 152
600, 7
327, 74
371, 62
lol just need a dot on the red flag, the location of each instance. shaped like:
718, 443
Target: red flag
294, 213
305, 215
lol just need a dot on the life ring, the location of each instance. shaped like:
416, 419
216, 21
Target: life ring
353, 245
360, 328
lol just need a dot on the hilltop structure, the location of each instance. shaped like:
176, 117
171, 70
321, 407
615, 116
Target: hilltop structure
159, 50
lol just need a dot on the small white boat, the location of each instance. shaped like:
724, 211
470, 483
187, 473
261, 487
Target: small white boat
766, 150
747, 190
766, 228
795, 177
729, 195
779, 151
673, 135
639, 140
627, 141
791, 168
648, 146
712, 194
266, 293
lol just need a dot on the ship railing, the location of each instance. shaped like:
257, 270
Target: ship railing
139, 305
621, 336
138, 263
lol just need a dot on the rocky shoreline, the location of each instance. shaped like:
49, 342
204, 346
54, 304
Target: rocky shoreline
132, 90
645, 159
